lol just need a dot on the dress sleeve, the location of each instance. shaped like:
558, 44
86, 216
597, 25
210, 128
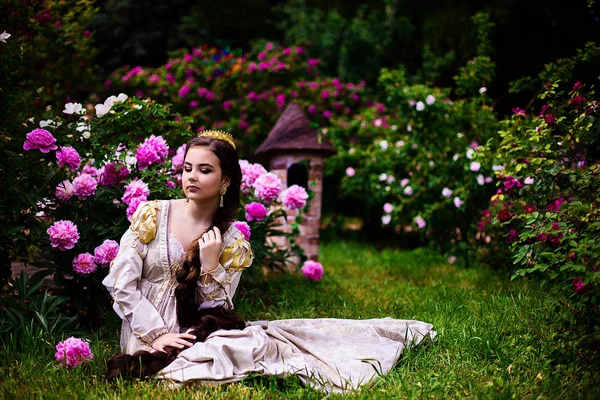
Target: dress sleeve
126, 271
234, 259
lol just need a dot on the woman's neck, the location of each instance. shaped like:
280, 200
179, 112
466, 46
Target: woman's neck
202, 211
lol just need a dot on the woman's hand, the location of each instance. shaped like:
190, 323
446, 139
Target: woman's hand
174, 340
210, 249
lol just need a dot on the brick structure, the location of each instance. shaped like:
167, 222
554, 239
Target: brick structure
296, 154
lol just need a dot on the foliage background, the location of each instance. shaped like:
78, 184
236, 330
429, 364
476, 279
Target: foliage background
62, 51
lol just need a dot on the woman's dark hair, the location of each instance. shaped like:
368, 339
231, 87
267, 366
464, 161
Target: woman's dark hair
189, 273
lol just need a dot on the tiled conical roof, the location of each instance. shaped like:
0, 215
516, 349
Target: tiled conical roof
292, 132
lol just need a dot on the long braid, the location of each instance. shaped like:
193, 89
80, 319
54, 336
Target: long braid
188, 274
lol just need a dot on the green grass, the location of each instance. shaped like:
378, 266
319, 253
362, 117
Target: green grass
495, 337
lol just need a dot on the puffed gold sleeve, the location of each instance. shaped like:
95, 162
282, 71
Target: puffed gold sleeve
235, 257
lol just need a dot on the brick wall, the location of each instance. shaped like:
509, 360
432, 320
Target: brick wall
309, 229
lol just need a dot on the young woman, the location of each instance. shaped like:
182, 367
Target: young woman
195, 235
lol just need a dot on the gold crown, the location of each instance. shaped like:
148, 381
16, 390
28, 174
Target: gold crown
219, 135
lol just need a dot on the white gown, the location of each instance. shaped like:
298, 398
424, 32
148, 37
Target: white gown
327, 354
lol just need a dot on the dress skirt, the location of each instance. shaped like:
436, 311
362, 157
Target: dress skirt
332, 355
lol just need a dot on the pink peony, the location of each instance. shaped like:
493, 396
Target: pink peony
267, 187
350, 171
133, 206
250, 172
242, 227
73, 352
256, 211
63, 234
106, 252
136, 188
153, 150
88, 169
64, 190
68, 156
113, 174
84, 186
294, 197
159, 144
177, 160
84, 264
40, 139
312, 270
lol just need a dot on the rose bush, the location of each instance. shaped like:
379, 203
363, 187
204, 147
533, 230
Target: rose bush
413, 161
241, 92
546, 205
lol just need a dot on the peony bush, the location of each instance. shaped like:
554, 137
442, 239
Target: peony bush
265, 207
91, 193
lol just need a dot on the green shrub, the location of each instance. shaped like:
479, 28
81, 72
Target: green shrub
546, 208
47, 58
417, 154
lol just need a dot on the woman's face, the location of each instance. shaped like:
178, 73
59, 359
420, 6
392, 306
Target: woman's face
202, 175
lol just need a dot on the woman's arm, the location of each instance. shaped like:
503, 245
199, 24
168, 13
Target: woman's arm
218, 285
125, 273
